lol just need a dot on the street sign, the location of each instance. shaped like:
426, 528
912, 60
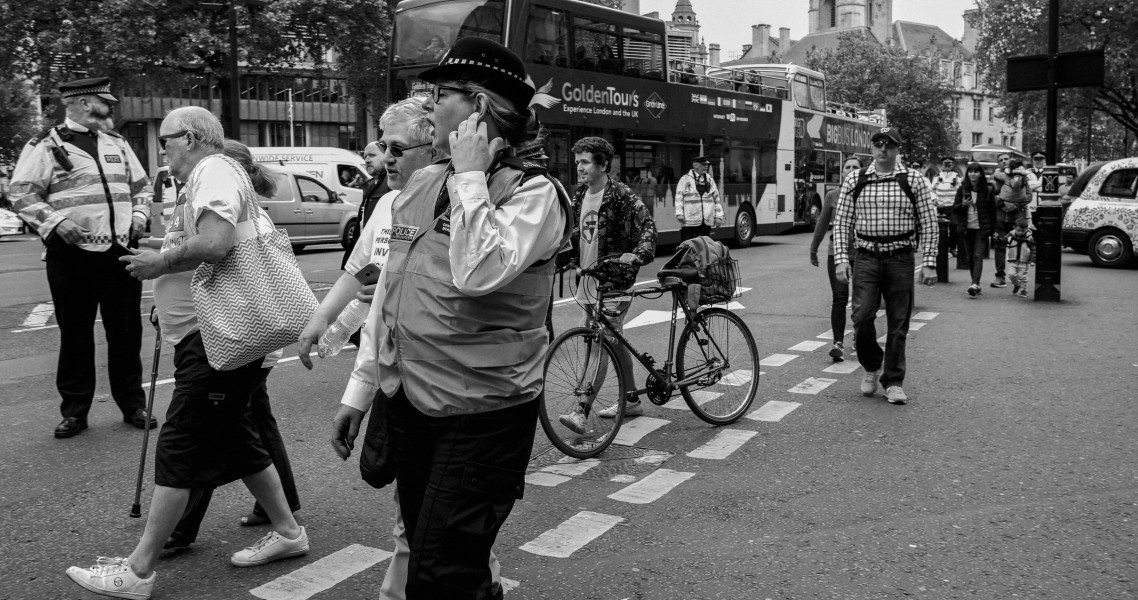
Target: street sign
1072, 69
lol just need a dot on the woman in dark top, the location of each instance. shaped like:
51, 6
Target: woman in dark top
841, 291
974, 215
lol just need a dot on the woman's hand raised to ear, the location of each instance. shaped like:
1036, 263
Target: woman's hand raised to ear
469, 149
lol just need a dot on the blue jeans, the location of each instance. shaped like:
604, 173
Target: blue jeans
892, 279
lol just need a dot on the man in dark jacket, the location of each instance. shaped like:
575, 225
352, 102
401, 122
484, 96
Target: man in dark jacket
373, 190
608, 219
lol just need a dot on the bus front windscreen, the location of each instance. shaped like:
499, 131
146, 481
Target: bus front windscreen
424, 33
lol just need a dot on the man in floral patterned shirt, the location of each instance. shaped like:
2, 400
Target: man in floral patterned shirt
608, 219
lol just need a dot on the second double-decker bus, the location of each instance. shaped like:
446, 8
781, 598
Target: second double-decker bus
606, 73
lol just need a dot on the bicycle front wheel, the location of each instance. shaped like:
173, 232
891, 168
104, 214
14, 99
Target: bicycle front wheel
719, 349
583, 404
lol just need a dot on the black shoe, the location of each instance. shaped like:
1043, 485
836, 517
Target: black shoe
836, 352
177, 543
70, 427
139, 419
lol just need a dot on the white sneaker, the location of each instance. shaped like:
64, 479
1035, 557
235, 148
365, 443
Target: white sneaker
575, 420
869, 383
112, 577
631, 409
895, 395
271, 547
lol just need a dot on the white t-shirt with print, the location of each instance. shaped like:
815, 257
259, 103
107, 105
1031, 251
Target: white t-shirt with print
589, 245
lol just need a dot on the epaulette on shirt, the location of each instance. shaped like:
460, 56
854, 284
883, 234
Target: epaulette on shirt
39, 137
524, 164
114, 133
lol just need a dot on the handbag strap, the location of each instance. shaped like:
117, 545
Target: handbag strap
253, 211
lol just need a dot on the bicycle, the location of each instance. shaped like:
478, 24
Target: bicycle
716, 367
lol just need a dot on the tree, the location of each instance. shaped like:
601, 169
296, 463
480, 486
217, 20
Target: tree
862, 72
159, 43
19, 119
1018, 28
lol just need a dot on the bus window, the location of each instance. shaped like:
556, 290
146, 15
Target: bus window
768, 161
801, 90
427, 32
547, 37
643, 54
596, 46
817, 94
833, 167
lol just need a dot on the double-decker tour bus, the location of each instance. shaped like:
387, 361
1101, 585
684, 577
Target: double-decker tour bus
602, 72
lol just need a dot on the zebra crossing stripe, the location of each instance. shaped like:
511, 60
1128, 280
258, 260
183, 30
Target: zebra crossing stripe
812, 385
321, 575
843, 368
773, 411
632, 430
571, 467
737, 378
701, 397
39, 315
545, 479
916, 326
829, 334
652, 487
925, 316
571, 535
723, 444
807, 346
777, 360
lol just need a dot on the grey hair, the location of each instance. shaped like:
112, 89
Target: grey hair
203, 124
411, 111
519, 126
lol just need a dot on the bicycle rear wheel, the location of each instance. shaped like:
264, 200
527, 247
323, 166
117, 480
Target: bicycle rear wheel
719, 348
581, 373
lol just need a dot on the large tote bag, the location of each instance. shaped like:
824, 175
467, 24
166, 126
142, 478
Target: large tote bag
254, 300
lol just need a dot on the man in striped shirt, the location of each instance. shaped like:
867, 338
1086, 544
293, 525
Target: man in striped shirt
891, 211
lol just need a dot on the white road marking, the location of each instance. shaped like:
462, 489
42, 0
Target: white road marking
843, 367
509, 584
807, 346
571, 467
652, 317
777, 360
701, 397
651, 488
571, 535
545, 479
572, 295
736, 378
735, 306
925, 316
631, 431
773, 411
39, 315
723, 444
829, 334
321, 575
916, 326
812, 385
652, 457
622, 478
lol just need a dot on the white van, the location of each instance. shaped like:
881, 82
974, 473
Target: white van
341, 170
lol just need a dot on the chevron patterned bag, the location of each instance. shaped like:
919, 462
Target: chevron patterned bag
254, 300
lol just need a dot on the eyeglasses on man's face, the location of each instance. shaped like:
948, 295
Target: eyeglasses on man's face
162, 139
436, 95
396, 151
885, 144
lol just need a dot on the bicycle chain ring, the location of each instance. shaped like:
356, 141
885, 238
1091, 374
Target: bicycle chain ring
657, 389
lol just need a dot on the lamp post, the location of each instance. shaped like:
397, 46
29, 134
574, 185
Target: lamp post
291, 125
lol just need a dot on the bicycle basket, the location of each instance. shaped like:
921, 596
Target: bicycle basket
718, 281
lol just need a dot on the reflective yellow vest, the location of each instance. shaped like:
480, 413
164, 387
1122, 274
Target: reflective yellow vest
454, 353
90, 193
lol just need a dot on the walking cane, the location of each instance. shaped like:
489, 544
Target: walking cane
136, 509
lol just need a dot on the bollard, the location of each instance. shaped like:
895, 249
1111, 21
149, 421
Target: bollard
942, 252
1048, 238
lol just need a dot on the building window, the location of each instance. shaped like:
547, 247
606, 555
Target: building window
977, 109
991, 114
833, 14
977, 138
956, 107
275, 133
349, 138
1012, 141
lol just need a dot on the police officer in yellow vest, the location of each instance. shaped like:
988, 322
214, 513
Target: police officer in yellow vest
82, 188
463, 336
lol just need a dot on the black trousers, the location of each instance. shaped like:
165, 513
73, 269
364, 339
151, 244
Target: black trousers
271, 439
458, 478
687, 233
82, 282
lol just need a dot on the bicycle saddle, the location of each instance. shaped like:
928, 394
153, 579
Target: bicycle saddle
685, 274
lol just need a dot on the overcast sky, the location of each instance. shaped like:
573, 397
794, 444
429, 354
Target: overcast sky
728, 22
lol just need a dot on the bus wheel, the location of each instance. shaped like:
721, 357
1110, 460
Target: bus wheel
744, 227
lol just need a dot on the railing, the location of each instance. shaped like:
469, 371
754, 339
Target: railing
727, 78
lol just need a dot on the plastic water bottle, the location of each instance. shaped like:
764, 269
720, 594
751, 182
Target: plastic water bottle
349, 321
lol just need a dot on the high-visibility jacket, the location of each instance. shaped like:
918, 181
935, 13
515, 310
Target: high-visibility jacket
694, 208
451, 352
99, 193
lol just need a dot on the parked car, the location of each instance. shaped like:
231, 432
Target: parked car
1102, 219
305, 208
10, 223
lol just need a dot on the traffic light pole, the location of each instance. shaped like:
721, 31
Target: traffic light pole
234, 100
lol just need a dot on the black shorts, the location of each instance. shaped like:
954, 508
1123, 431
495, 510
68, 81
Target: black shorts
209, 438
